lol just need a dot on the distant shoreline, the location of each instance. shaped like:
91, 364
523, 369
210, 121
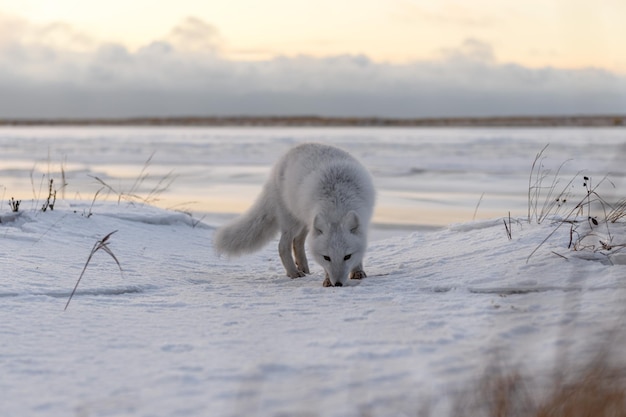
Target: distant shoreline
318, 121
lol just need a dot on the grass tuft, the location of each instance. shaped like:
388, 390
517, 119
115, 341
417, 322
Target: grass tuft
597, 389
102, 244
52, 197
588, 219
132, 195
545, 199
14, 204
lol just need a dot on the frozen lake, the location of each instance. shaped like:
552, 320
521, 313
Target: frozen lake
424, 177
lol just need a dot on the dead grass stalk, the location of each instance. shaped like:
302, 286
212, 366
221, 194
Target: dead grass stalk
102, 244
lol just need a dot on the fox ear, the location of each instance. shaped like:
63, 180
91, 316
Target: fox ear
317, 225
352, 222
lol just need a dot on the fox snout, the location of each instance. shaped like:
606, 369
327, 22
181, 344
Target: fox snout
356, 273
336, 277
328, 283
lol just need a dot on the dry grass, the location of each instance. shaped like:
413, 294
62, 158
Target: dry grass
598, 389
545, 198
102, 244
52, 197
575, 217
617, 212
47, 181
14, 204
133, 194
588, 218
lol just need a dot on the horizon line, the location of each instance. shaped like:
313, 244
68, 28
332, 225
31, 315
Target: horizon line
575, 120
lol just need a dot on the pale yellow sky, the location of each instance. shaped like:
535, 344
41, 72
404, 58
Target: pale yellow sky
533, 33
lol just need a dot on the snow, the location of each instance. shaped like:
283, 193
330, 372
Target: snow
182, 332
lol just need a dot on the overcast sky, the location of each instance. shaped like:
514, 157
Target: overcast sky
394, 58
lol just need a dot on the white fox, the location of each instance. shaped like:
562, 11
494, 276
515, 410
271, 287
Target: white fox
313, 188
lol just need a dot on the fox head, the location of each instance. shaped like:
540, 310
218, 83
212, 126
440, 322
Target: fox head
338, 246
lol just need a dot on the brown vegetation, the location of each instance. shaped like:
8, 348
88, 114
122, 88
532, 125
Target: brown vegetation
596, 390
516, 121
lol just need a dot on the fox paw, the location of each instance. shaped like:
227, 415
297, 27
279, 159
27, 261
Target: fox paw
357, 275
296, 274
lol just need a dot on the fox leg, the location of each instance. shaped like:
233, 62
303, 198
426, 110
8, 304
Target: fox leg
299, 253
284, 250
358, 272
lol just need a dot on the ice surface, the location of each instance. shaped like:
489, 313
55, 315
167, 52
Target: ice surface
424, 177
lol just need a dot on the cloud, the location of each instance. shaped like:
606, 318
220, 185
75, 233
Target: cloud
472, 50
195, 35
184, 73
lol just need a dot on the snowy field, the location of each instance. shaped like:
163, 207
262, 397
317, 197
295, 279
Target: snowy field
181, 332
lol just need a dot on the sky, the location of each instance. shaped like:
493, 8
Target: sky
389, 58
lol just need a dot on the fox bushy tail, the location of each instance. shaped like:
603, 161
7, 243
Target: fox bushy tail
250, 231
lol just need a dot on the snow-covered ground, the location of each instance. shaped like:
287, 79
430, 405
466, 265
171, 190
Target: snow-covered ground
182, 332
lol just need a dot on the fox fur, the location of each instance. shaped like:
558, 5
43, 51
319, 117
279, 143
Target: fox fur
314, 190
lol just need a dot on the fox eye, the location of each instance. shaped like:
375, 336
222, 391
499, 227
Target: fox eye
327, 258
345, 258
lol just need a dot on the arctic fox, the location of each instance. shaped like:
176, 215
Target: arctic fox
314, 190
